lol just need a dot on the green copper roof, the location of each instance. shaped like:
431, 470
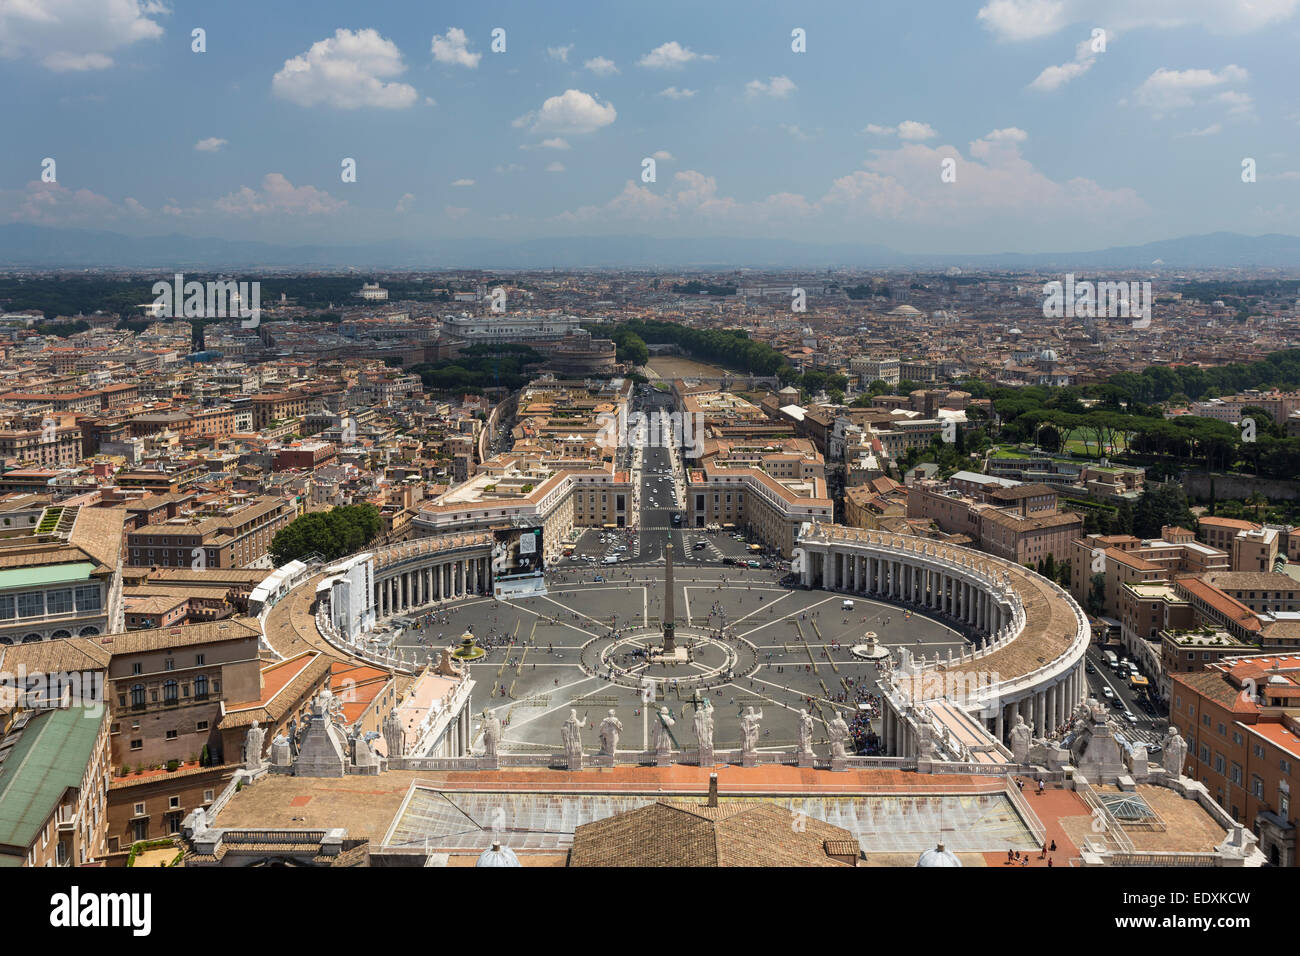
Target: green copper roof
49, 756
45, 574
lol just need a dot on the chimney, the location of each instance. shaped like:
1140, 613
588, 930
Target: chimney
713, 790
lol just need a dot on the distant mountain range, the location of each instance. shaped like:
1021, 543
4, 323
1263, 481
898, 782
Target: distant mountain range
26, 247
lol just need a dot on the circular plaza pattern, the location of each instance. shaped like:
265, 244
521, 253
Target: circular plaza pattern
634, 658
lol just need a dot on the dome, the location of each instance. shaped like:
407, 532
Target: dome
1014, 332
904, 310
498, 855
938, 857
1047, 355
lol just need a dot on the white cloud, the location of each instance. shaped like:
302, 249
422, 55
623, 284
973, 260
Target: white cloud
555, 168
910, 130
1167, 90
452, 48
462, 183
671, 56
346, 71
794, 130
1021, 20
777, 86
1212, 130
76, 35
1055, 77
573, 111
279, 197
404, 204
560, 53
663, 156
673, 93
897, 186
52, 204
556, 142
601, 66
210, 145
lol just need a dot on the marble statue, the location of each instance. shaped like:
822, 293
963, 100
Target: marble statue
394, 736
491, 732
805, 732
610, 728
1021, 738
1174, 757
571, 734
925, 740
749, 728
253, 747
704, 725
660, 742
839, 730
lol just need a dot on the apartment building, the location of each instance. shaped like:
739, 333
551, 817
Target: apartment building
61, 572
1243, 734
54, 768
237, 534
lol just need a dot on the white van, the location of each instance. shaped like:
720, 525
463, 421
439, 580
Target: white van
847, 606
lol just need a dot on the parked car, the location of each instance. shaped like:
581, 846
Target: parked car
1107, 693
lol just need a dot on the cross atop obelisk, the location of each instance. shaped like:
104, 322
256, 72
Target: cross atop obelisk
670, 645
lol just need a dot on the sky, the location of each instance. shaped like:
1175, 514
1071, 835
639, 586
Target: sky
1062, 125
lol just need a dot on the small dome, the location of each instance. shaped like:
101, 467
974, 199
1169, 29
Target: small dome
904, 310
938, 857
1047, 355
1014, 332
498, 855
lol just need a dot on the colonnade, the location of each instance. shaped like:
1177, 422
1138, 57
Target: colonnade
440, 580
938, 589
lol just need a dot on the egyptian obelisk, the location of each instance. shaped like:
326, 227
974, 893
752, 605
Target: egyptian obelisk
670, 646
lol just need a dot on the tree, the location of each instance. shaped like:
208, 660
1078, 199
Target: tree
331, 534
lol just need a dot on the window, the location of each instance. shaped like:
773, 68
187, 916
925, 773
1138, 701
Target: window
7, 607
88, 597
171, 735
171, 692
137, 745
173, 802
31, 604
137, 695
199, 660
58, 601
201, 688
138, 810
137, 669
1235, 776
207, 796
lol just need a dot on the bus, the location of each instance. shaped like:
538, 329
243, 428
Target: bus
1112, 660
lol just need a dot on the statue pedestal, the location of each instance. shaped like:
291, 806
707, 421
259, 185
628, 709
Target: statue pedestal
663, 758
602, 760
839, 763
573, 761
749, 759
488, 763
706, 757
805, 758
